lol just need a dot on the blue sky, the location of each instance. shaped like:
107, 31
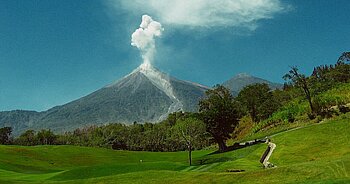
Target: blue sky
52, 52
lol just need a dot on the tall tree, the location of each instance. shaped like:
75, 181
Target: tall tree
5, 135
191, 131
300, 81
258, 101
219, 112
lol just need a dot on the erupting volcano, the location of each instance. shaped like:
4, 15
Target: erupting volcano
144, 95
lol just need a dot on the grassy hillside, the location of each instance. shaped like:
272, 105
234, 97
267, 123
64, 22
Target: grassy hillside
297, 110
315, 153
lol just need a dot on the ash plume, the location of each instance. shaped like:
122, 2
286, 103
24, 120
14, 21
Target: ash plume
144, 38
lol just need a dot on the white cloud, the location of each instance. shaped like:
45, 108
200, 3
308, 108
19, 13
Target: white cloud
205, 13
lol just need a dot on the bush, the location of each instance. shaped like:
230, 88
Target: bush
325, 105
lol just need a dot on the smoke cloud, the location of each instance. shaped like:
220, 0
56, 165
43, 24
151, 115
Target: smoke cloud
144, 38
207, 13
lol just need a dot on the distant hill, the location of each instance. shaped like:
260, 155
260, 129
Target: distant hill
19, 119
238, 82
145, 95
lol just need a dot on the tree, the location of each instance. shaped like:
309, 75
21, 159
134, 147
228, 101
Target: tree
5, 135
325, 77
299, 80
219, 112
27, 138
258, 101
135, 137
191, 131
344, 57
173, 117
46, 137
116, 135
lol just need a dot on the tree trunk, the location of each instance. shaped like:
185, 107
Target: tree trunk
308, 96
221, 143
253, 114
190, 154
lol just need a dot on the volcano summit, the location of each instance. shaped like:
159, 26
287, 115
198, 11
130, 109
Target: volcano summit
144, 95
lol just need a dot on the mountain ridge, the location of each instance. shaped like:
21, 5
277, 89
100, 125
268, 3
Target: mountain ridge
239, 81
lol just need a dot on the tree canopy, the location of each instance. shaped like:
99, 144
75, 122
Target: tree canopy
258, 101
218, 111
191, 131
301, 81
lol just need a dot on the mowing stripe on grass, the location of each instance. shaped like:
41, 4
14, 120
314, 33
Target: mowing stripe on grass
198, 168
188, 168
4, 174
209, 167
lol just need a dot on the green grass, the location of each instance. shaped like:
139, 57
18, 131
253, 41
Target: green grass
316, 153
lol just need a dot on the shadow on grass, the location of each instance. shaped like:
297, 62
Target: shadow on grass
237, 146
224, 156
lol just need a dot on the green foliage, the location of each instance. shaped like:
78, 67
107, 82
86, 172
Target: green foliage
46, 137
28, 138
258, 101
301, 81
244, 128
325, 77
289, 112
5, 135
326, 105
338, 95
219, 112
137, 137
286, 114
192, 132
